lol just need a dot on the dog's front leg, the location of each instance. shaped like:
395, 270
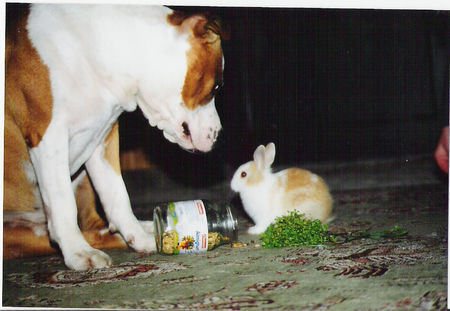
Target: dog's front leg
51, 162
104, 170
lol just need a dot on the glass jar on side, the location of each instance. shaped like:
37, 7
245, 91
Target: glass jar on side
193, 226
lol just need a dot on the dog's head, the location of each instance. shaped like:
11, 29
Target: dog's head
183, 104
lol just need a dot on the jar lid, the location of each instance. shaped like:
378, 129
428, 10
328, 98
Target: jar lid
232, 225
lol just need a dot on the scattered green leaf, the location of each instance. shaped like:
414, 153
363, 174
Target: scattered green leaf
393, 233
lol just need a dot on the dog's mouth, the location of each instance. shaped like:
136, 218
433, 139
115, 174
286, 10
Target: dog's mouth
195, 131
186, 130
187, 136
193, 151
182, 139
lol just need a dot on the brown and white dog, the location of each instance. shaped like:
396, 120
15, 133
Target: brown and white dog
71, 70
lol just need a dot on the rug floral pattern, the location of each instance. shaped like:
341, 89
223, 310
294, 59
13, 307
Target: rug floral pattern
403, 273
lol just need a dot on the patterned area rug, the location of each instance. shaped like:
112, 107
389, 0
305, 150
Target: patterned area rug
402, 273
68, 278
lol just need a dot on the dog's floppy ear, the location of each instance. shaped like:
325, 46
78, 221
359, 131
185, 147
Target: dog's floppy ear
201, 25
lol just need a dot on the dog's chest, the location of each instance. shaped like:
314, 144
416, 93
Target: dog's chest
88, 133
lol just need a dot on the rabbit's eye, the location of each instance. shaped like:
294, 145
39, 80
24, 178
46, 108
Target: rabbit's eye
243, 174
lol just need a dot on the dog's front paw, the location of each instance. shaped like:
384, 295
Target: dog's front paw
87, 259
142, 243
137, 234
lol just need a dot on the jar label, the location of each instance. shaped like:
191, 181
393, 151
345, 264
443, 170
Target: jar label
188, 219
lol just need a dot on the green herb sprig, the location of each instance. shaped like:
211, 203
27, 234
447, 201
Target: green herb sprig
295, 230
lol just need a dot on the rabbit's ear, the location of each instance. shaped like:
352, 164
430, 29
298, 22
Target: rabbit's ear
269, 154
258, 156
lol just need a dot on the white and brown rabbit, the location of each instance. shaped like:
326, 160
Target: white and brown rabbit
266, 195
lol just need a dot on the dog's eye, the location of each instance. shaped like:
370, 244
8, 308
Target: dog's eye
217, 86
243, 174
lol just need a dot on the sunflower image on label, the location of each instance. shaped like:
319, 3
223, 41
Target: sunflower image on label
189, 226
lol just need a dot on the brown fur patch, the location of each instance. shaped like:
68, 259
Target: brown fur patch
20, 242
204, 72
28, 97
88, 217
302, 185
112, 148
254, 175
18, 192
28, 108
296, 178
204, 58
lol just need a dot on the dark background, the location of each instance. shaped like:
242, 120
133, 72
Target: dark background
326, 85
